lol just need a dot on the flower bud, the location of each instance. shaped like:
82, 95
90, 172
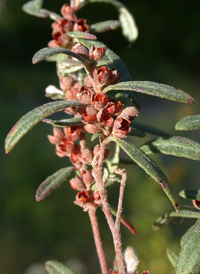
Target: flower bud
121, 127
83, 196
131, 260
97, 54
86, 156
93, 128
81, 50
129, 113
88, 179
77, 183
73, 132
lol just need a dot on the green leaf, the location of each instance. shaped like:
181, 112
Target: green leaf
188, 123
124, 220
126, 97
136, 132
95, 136
153, 89
54, 267
189, 259
68, 66
176, 146
129, 28
172, 256
193, 194
149, 129
52, 183
168, 217
112, 160
34, 8
34, 116
150, 167
105, 26
44, 53
81, 34
64, 122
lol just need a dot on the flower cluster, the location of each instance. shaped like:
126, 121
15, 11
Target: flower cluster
62, 26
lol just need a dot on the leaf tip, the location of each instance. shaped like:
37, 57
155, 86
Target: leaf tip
192, 100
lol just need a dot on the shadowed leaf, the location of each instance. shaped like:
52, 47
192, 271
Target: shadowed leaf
64, 122
176, 146
150, 167
172, 256
148, 129
136, 132
113, 160
189, 123
34, 8
193, 194
105, 26
189, 259
52, 183
53, 267
154, 89
168, 217
34, 116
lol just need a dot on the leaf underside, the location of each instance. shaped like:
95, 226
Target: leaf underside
189, 123
193, 194
29, 120
172, 256
53, 267
149, 166
64, 122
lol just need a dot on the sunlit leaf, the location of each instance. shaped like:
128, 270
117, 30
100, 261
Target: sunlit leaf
124, 220
172, 256
35, 8
154, 89
168, 217
52, 183
64, 122
189, 123
176, 146
150, 167
34, 116
53, 267
189, 260
81, 34
193, 194
105, 26
148, 129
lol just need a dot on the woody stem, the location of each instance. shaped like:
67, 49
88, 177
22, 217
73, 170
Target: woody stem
97, 240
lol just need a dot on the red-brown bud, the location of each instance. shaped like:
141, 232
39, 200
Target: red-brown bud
74, 157
81, 50
73, 132
129, 113
90, 114
99, 100
68, 12
77, 183
88, 179
66, 83
97, 54
93, 128
84, 95
83, 196
121, 127
81, 25
105, 76
86, 156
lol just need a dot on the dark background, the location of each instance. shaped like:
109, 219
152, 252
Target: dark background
166, 51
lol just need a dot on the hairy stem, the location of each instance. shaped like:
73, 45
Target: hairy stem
97, 240
98, 175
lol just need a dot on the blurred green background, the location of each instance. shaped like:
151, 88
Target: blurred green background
167, 51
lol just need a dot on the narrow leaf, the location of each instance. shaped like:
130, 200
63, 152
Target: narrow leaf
124, 220
30, 119
189, 123
150, 167
149, 129
81, 34
126, 97
136, 132
172, 256
112, 160
44, 53
176, 146
168, 217
189, 259
95, 136
105, 26
53, 267
34, 8
52, 183
153, 89
64, 122
193, 194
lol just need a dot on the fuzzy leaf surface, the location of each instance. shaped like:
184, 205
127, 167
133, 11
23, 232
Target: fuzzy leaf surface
53, 267
172, 256
154, 89
105, 26
149, 129
81, 34
150, 167
193, 194
52, 183
34, 116
64, 122
188, 123
168, 217
34, 8
189, 259
176, 146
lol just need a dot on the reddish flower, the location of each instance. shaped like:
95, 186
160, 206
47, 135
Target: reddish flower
105, 76
99, 100
121, 127
77, 183
89, 114
81, 25
66, 83
93, 128
73, 132
65, 148
84, 95
58, 135
87, 177
97, 54
83, 196
68, 12
86, 156
104, 117
81, 50
74, 157
72, 91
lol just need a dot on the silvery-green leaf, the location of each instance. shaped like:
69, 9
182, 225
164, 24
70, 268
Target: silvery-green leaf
153, 89
95, 136
189, 123
34, 116
34, 7
81, 34
172, 256
105, 26
53, 267
176, 146
52, 183
193, 194
150, 167
112, 160
64, 122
